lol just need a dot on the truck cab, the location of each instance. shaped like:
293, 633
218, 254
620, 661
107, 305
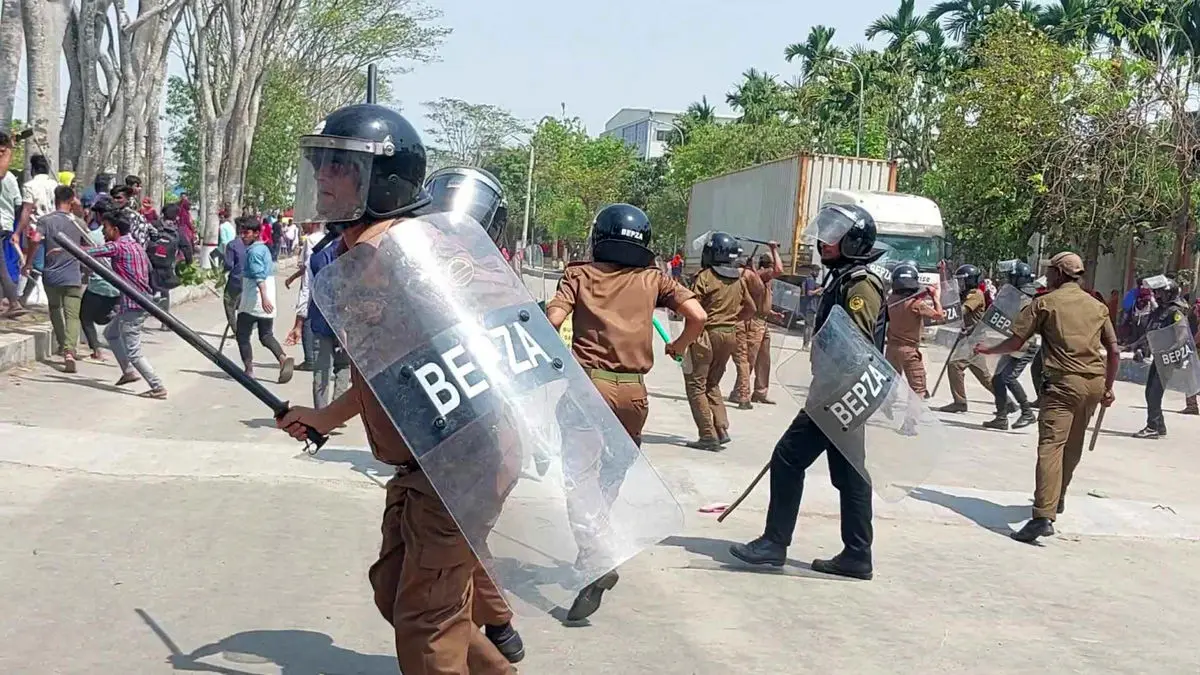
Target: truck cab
908, 227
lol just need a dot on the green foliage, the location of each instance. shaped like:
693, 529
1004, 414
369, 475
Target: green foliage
285, 114
192, 275
183, 134
17, 164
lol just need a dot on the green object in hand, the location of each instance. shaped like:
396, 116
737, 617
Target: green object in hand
662, 333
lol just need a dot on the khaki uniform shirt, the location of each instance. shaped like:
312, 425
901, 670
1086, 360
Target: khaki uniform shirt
972, 308
723, 299
906, 318
1074, 327
611, 307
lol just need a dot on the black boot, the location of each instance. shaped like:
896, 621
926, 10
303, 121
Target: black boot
1027, 417
709, 444
999, 423
761, 551
507, 640
1012, 407
1036, 527
955, 407
1149, 433
745, 405
723, 437
588, 600
843, 565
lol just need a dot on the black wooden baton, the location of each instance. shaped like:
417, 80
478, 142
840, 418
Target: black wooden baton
277, 405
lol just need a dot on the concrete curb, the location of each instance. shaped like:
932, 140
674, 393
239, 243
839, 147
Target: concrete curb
27, 343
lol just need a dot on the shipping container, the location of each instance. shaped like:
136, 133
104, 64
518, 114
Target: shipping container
775, 200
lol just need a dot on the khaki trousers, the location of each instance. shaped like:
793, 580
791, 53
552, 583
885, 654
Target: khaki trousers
709, 356
1067, 406
958, 385
752, 358
911, 362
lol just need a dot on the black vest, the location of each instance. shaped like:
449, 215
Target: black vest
1165, 316
837, 283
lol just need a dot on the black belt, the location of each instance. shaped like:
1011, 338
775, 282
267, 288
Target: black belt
407, 468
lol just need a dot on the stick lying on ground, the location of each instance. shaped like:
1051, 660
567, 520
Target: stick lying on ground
745, 493
278, 406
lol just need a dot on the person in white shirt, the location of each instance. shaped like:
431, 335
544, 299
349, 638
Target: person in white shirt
10, 205
313, 234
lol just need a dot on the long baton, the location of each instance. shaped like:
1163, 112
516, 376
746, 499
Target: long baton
277, 405
946, 364
1096, 429
745, 493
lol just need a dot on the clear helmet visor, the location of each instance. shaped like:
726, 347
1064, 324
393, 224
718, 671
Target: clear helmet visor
828, 227
332, 180
464, 195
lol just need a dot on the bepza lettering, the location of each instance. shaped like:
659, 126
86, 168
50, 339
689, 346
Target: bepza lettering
860, 398
1000, 321
1179, 355
477, 364
634, 234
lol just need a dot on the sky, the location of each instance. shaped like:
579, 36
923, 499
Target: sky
533, 56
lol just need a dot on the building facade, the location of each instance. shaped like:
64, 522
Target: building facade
646, 131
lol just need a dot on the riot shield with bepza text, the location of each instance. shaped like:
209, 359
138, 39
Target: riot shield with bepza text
951, 302
995, 326
477, 382
867, 410
1175, 359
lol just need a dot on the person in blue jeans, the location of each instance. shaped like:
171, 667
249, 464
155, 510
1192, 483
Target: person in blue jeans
331, 364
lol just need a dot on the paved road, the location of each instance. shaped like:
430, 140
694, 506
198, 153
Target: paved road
195, 518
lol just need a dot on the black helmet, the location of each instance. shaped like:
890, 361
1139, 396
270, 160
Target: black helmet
1021, 274
1164, 288
720, 253
621, 235
850, 226
969, 277
471, 192
906, 278
365, 162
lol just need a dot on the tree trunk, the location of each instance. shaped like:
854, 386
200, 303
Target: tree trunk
12, 41
45, 23
155, 179
71, 138
1184, 230
1091, 254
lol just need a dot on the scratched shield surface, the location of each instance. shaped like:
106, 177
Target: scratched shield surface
865, 408
538, 473
993, 328
1175, 358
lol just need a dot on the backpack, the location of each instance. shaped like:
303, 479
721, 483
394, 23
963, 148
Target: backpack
163, 250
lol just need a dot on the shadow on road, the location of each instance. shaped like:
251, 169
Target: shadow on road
671, 397
85, 382
361, 461
989, 515
718, 551
295, 652
665, 439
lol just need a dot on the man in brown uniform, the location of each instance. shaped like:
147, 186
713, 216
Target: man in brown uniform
753, 354
612, 301
908, 307
723, 295
973, 305
428, 583
1074, 326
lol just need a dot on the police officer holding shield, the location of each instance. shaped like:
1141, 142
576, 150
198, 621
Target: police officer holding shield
908, 308
973, 306
612, 301
1074, 327
1171, 310
361, 175
846, 237
1008, 371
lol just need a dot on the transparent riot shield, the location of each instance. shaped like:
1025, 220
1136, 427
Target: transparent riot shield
1175, 359
866, 409
476, 381
951, 304
787, 299
994, 327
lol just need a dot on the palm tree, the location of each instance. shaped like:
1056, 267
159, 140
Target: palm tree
700, 112
903, 28
963, 19
1071, 21
817, 48
758, 96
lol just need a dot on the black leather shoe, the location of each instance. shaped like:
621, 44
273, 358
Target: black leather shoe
1027, 417
507, 640
745, 405
844, 566
1036, 527
953, 408
1149, 433
588, 600
1190, 411
1012, 407
761, 399
723, 437
999, 423
761, 551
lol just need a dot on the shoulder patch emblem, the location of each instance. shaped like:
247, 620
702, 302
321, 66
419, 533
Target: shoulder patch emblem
856, 303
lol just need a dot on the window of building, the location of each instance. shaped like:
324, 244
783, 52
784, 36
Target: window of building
663, 135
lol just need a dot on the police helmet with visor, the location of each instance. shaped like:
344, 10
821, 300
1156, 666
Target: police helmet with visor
470, 192
906, 278
850, 227
365, 162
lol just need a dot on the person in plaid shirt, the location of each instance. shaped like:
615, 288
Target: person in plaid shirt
124, 332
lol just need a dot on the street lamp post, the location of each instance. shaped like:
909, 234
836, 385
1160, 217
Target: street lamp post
528, 198
861, 85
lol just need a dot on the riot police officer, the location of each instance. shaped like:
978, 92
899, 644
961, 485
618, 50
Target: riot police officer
846, 236
723, 294
471, 192
973, 305
612, 301
1171, 310
907, 310
1010, 367
362, 174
